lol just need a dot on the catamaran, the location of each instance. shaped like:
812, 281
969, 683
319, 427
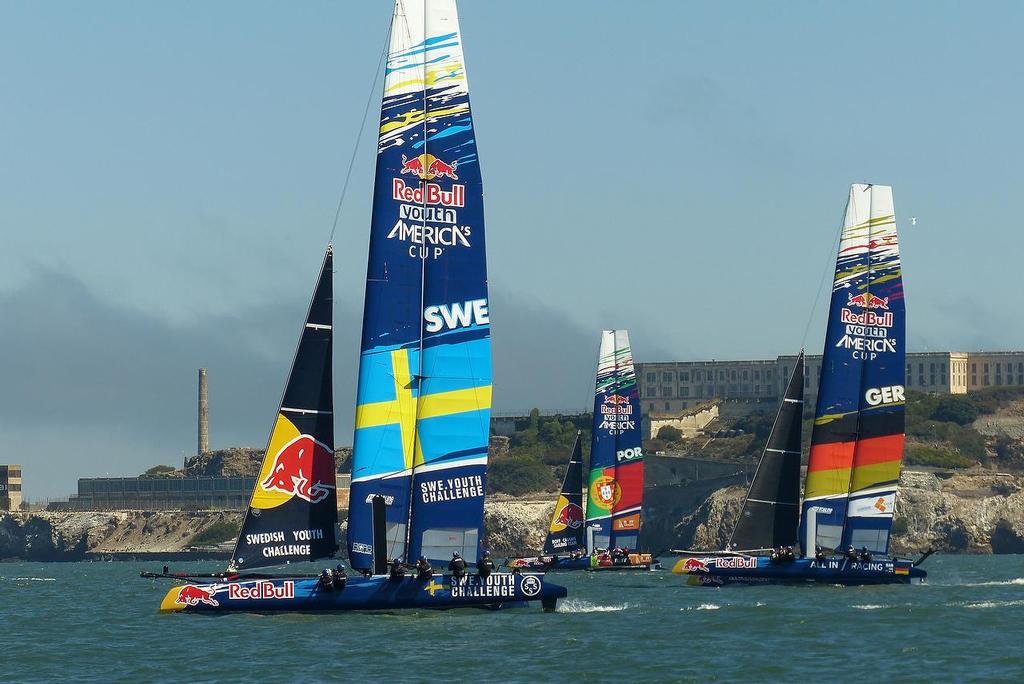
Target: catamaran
857, 440
424, 388
606, 535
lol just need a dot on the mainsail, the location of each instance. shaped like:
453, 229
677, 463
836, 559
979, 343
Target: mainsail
771, 512
857, 442
424, 389
566, 532
293, 510
615, 490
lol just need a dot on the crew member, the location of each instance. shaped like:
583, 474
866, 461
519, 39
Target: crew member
819, 554
457, 566
326, 581
865, 555
790, 556
397, 570
338, 577
424, 571
851, 553
485, 566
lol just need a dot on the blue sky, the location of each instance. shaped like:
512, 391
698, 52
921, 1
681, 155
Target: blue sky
170, 173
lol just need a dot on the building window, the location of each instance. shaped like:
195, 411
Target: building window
698, 376
700, 391
684, 377
974, 380
666, 391
652, 377
648, 391
986, 369
667, 406
767, 375
943, 380
910, 380
721, 375
974, 368
733, 375
684, 405
757, 375
686, 391
985, 381
746, 375
650, 406
666, 377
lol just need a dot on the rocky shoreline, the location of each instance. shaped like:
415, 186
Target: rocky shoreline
952, 512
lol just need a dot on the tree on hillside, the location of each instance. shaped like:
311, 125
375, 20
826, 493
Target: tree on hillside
668, 433
955, 409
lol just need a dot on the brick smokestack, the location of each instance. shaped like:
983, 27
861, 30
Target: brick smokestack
204, 414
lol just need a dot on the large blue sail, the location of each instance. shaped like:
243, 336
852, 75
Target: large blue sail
857, 442
424, 390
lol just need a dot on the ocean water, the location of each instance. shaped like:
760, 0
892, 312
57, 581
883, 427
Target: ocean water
99, 622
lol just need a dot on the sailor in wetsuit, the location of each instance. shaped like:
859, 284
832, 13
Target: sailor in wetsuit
485, 566
457, 566
865, 555
819, 554
338, 577
851, 553
326, 581
397, 570
424, 571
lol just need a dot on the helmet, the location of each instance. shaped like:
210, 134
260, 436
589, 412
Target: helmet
397, 560
340, 567
455, 554
487, 554
423, 558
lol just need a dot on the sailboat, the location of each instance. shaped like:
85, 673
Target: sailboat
424, 387
857, 440
604, 536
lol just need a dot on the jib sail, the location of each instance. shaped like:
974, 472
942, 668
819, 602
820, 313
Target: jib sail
857, 442
424, 389
616, 483
293, 510
771, 512
566, 532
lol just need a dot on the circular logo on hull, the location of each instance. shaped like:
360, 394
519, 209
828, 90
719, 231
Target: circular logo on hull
530, 585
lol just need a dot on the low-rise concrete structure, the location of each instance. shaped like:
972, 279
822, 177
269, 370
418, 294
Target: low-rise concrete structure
10, 487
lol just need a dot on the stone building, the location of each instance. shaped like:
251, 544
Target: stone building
10, 487
676, 386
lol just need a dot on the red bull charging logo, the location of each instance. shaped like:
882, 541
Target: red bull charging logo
570, 516
429, 167
866, 300
694, 565
304, 468
191, 595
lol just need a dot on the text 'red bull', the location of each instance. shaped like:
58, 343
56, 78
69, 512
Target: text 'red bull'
303, 468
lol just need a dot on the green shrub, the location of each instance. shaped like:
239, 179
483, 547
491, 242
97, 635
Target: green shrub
957, 409
215, 534
921, 454
518, 475
159, 470
667, 433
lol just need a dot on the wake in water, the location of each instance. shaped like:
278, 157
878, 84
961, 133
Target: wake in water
33, 579
871, 606
993, 604
996, 583
581, 606
703, 606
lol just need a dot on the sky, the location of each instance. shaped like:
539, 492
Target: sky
169, 174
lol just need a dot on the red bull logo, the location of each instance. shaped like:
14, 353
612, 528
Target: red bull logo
570, 516
616, 399
866, 300
616, 404
191, 595
304, 468
429, 167
694, 565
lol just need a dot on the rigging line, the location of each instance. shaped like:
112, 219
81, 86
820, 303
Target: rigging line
829, 263
362, 128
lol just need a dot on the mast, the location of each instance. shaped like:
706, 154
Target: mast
424, 397
567, 530
293, 509
770, 514
857, 440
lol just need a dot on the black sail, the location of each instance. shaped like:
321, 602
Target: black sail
293, 510
567, 530
771, 512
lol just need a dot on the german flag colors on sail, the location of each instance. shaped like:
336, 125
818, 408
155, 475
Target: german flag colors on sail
857, 442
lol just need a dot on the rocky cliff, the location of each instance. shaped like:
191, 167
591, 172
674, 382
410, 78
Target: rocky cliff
951, 512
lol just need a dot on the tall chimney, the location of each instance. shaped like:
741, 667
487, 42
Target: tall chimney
204, 414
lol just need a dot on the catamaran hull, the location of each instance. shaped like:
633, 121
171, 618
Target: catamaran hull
361, 593
722, 570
